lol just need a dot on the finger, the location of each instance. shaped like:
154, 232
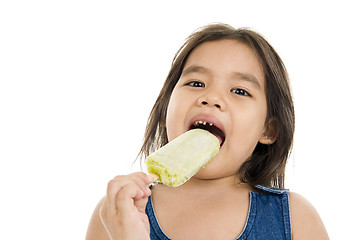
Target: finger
140, 176
142, 180
112, 190
126, 197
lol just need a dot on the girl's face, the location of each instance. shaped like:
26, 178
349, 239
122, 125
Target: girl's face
222, 83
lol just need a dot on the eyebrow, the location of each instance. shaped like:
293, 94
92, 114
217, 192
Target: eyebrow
247, 77
195, 69
236, 75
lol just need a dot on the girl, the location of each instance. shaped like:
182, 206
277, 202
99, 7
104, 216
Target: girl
235, 80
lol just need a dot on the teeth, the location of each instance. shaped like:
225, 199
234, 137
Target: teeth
202, 122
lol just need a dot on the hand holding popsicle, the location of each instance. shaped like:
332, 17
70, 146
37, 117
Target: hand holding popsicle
123, 209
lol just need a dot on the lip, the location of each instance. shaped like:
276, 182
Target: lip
207, 118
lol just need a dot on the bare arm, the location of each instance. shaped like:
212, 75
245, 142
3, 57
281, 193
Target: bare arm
121, 213
305, 221
96, 228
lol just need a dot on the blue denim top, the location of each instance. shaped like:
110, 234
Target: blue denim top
268, 216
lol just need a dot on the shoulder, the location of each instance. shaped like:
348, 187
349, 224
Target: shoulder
96, 229
305, 221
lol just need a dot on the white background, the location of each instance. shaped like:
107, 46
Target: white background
78, 80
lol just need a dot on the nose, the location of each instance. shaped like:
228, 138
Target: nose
212, 100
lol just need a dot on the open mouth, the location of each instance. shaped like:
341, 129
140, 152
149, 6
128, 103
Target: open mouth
210, 127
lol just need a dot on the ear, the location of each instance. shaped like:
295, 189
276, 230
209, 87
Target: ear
270, 132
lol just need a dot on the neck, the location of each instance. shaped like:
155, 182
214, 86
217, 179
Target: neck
213, 185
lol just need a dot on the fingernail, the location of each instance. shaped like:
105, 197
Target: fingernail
147, 191
154, 176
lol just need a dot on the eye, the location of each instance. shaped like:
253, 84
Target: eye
196, 84
240, 91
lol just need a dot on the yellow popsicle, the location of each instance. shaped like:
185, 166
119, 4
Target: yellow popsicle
176, 162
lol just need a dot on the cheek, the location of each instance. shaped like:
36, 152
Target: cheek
248, 128
175, 114
170, 119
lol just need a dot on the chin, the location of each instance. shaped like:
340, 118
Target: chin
214, 170
210, 172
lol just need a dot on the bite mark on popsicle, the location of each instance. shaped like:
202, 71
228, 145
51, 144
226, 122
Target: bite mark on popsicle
176, 162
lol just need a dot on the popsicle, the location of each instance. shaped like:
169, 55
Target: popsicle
176, 162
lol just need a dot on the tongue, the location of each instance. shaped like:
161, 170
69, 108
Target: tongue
220, 138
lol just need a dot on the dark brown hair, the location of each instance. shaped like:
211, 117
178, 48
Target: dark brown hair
266, 166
